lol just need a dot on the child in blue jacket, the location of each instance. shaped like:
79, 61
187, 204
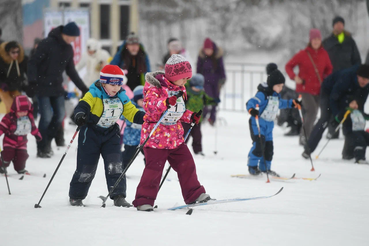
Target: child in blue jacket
132, 131
269, 102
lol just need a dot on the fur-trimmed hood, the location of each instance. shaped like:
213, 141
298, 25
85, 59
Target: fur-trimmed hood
6, 57
152, 80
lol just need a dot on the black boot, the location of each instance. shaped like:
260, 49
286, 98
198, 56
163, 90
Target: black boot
76, 202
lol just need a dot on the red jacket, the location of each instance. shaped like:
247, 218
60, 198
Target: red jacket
307, 72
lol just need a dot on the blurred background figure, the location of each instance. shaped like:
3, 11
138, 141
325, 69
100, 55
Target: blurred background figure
314, 66
175, 47
210, 65
13, 69
133, 59
94, 59
343, 53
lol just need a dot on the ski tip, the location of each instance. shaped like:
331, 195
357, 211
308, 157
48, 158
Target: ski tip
44, 175
189, 212
280, 190
293, 176
21, 178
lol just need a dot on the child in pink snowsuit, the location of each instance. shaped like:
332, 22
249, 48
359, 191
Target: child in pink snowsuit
167, 142
16, 125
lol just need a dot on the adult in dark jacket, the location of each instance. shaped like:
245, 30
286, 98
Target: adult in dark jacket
342, 51
210, 65
336, 92
13, 67
53, 56
132, 58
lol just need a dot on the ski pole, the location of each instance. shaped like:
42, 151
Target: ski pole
138, 150
303, 128
337, 128
187, 134
57, 168
261, 143
6, 173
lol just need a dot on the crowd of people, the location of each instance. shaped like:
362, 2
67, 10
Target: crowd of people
170, 103
119, 88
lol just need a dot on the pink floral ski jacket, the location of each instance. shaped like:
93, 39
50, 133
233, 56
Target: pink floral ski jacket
169, 134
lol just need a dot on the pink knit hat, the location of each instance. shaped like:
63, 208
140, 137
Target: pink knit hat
177, 67
314, 33
208, 44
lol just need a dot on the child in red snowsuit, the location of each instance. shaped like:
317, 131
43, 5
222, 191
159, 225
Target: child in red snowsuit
16, 125
167, 142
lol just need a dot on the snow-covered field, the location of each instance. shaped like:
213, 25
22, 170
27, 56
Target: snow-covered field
330, 211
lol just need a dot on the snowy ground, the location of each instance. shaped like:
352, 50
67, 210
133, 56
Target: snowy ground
330, 211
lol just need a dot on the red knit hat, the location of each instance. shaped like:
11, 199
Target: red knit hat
177, 67
208, 44
315, 33
111, 74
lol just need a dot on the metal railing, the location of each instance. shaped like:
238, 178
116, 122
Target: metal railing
241, 85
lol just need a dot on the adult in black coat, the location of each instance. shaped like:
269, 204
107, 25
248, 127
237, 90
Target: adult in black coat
342, 51
53, 56
13, 68
336, 92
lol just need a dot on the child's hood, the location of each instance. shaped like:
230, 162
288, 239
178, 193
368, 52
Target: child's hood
263, 87
158, 80
21, 103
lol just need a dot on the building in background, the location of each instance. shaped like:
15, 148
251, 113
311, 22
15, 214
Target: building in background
110, 20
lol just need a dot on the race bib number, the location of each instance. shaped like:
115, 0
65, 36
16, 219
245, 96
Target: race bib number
358, 121
23, 126
174, 112
113, 109
271, 110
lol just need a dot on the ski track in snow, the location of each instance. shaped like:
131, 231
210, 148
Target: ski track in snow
330, 211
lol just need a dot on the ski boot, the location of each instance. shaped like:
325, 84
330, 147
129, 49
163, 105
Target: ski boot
254, 171
203, 198
120, 201
23, 171
76, 202
145, 207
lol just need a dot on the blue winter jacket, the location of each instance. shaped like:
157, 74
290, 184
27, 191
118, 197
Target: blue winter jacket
262, 98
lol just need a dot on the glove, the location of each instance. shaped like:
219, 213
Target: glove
80, 119
195, 117
171, 101
297, 103
254, 112
38, 137
335, 122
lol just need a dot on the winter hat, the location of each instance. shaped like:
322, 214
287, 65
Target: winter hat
338, 19
275, 78
177, 67
21, 103
314, 33
198, 81
112, 75
132, 38
271, 67
11, 45
208, 44
71, 29
363, 71
138, 93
